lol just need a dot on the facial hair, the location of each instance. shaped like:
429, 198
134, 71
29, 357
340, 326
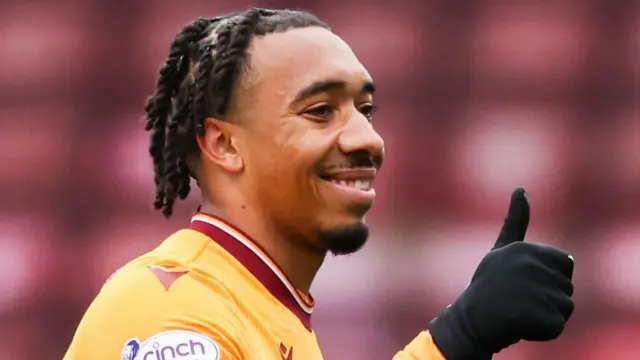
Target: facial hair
344, 240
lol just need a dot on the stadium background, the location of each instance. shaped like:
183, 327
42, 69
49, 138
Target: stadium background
476, 98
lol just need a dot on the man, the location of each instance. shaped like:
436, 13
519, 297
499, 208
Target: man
271, 113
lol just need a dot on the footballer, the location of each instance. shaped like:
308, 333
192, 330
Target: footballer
271, 113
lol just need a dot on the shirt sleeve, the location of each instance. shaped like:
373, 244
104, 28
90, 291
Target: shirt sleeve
422, 347
140, 311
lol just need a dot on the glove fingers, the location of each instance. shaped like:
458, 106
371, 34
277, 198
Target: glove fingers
557, 259
557, 288
566, 306
566, 286
564, 263
517, 220
551, 319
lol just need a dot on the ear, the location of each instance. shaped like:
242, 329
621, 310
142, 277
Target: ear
219, 145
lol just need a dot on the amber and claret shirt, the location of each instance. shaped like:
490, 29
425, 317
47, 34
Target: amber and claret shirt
207, 293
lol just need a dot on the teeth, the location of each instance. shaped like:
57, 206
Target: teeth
362, 184
358, 184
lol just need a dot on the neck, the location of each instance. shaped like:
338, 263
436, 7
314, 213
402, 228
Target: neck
298, 262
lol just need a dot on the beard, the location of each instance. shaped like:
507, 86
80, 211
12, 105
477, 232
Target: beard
344, 240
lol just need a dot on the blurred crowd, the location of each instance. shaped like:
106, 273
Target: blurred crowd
476, 98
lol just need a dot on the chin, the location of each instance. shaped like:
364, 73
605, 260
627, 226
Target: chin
344, 239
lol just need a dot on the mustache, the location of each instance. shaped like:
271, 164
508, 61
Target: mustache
357, 159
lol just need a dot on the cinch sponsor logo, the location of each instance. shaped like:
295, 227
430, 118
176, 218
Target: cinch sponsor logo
173, 344
168, 352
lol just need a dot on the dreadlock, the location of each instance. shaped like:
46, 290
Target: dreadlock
217, 47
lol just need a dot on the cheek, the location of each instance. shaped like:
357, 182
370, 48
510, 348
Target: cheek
284, 163
281, 186
299, 145
271, 167
281, 166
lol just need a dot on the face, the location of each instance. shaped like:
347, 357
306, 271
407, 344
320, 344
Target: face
310, 153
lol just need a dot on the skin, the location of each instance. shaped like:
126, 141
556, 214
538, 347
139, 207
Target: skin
272, 151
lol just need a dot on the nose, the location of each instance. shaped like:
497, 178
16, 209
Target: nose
359, 135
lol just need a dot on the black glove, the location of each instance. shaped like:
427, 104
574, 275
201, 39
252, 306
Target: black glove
520, 291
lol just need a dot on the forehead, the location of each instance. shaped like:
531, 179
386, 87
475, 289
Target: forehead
289, 61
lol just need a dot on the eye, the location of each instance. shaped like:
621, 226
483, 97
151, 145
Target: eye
368, 110
320, 112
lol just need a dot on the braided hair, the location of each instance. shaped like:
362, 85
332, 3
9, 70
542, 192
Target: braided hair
183, 99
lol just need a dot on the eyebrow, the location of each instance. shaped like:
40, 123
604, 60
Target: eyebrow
322, 86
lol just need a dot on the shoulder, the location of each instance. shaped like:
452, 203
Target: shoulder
167, 288
171, 271
146, 307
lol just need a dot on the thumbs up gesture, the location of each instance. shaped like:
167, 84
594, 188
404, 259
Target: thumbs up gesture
520, 291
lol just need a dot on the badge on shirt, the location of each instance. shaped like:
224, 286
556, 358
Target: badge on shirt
172, 344
130, 350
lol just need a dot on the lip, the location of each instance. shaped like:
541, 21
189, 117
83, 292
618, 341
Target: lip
351, 174
353, 194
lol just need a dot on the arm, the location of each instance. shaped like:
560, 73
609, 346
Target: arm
134, 313
422, 347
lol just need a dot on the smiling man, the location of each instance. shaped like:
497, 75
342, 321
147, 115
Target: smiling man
271, 113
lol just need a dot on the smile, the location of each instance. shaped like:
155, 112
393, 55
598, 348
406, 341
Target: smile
353, 184
363, 185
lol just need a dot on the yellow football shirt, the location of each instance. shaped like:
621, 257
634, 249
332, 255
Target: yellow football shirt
207, 293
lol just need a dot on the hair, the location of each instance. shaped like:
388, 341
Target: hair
216, 48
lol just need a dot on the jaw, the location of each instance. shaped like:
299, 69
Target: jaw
344, 239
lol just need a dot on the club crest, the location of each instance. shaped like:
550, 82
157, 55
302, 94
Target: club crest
130, 350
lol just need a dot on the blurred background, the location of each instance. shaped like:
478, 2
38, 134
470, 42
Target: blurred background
476, 98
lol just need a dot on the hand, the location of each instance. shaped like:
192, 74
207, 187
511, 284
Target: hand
520, 291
